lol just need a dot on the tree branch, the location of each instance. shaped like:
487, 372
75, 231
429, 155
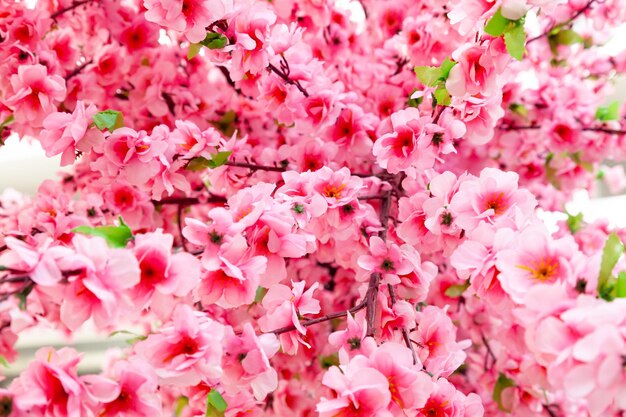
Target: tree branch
74, 5
567, 22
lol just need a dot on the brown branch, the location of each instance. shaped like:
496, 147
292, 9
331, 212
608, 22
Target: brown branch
256, 167
288, 80
489, 353
605, 130
74, 5
189, 201
327, 317
567, 22
179, 220
78, 70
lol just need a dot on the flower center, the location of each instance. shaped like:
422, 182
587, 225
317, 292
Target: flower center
333, 191
496, 203
544, 270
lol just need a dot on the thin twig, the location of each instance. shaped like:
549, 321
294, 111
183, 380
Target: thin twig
567, 22
74, 5
288, 80
78, 70
179, 220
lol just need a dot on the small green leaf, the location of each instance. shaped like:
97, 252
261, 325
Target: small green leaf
613, 249
502, 383
227, 123
515, 41
214, 40
519, 109
7, 121
610, 112
134, 339
574, 223
22, 296
550, 171
446, 66
260, 293
329, 360
620, 286
567, 37
429, 76
116, 236
108, 119
215, 404
4, 362
220, 158
199, 163
194, 49
181, 403
497, 24
456, 290
442, 96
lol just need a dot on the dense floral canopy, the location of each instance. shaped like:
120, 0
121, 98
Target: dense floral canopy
315, 207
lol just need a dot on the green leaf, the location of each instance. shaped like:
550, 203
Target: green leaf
497, 24
442, 96
519, 109
215, 404
199, 163
456, 290
574, 223
610, 112
194, 49
22, 296
4, 362
260, 293
116, 236
108, 119
136, 337
429, 76
551, 172
620, 286
329, 360
181, 403
515, 41
613, 249
502, 383
214, 40
220, 158
446, 66
567, 37
4, 124
7, 121
227, 123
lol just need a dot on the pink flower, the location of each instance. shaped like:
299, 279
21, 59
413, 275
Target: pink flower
50, 386
285, 306
185, 351
170, 274
252, 31
535, 259
99, 291
234, 280
35, 94
190, 17
359, 390
494, 197
408, 386
440, 353
132, 392
43, 262
403, 143
66, 133
446, 401
248, 361
337, 187
386, 259
476, 68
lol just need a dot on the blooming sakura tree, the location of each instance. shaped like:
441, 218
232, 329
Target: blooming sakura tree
315, 208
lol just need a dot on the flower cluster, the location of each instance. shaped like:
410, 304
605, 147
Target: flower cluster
321, 208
